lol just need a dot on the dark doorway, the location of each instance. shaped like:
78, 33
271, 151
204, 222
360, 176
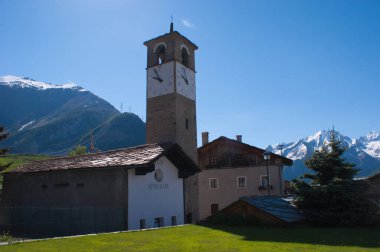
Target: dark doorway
214, 208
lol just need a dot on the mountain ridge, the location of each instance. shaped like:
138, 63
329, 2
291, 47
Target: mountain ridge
26, 82
364, 152
43, 118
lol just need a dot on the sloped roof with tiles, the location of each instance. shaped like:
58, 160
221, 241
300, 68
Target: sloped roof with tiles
279, 207
142, 156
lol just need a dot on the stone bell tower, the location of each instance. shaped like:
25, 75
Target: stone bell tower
171, 96
171, 103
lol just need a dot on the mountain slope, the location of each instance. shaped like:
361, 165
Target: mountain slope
52, 119
119, 130
363, 152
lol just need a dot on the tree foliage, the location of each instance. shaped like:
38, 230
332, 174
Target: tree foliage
328, 165
3, 135
78, 150
333, 197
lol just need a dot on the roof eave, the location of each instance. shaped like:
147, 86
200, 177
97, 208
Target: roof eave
176, 33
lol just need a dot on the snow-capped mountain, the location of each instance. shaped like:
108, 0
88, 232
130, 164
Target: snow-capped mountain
371, 144
26, 82
46, 118
363, 152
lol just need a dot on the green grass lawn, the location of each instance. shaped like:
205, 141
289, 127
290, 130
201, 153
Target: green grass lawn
216, 238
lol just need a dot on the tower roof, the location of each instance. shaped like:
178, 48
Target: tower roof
171, 35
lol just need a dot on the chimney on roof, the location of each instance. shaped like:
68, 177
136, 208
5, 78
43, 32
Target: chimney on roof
239, 138
204, 138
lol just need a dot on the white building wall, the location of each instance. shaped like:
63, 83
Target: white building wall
149, 199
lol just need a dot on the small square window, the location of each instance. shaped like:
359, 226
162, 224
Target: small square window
189, 218
61, 185
213, 161
213, 183
214, 208
242, 182
174, 220
264, 181
159, 222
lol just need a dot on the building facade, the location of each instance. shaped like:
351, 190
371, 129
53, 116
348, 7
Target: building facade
135, 188
231, 169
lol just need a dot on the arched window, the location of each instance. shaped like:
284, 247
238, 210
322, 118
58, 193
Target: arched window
185, 56
159, 54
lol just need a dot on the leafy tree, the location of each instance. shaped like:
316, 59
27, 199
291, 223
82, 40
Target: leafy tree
333, 197
78, 150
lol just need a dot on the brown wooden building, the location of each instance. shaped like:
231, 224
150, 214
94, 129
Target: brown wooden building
265, 210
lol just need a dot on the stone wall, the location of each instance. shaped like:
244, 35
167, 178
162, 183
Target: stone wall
65, 202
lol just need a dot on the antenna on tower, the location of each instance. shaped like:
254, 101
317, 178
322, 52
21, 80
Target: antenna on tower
171, 24
121, 107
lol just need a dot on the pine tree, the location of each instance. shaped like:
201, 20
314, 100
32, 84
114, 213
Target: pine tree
333, 197
328, 164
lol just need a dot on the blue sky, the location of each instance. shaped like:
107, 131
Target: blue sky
273, 71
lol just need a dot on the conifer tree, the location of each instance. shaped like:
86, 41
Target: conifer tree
332, 196
328, 165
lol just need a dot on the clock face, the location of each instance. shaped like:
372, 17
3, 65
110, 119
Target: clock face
160, 80
185, 78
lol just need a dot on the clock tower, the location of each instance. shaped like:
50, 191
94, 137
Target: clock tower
171, 96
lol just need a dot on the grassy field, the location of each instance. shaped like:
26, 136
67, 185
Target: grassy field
215, 238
